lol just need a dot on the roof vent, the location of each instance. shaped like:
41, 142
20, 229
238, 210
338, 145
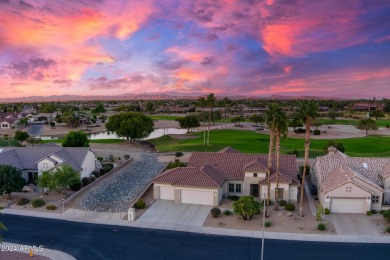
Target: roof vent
365, 165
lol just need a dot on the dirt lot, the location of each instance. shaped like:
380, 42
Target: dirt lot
380, 224
282, 221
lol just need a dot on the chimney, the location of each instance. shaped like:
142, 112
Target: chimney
332, 150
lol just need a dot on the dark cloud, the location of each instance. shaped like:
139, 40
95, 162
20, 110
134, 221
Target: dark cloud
65, 83
31, 68
25, 5
202, 15
207, 60
5, 1
122, 83
170, 65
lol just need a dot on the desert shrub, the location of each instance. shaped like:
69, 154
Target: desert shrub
111, 158
175, 164
299, 131
126, 156
282, 203
381, 212
321, 227
268, 224
327, 211
227, 212
106, 168
22, 201
388, 229
373, 211
140, 204
99, 158
289, 207
37, 203
316, 132
233, 197
87, 180
386, 214
51, 207
387, 126
215, 212
75, 186
179, 154
368, 213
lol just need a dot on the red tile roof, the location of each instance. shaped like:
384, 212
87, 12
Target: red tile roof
257, 165
228, 150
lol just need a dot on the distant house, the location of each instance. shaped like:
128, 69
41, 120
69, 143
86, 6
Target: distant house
210, 176
365, 107
8, 123
32, 161
352, 184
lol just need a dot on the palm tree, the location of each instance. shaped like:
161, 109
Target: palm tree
201, 102
308, 112
281, 128
226, 101
210, 104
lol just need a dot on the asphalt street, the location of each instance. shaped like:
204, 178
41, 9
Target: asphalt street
92, 241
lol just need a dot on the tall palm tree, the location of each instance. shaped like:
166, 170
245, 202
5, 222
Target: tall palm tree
226, 101
210, 101
201, 102
281, 128
308, 112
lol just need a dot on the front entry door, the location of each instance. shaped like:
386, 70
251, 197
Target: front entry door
255, 190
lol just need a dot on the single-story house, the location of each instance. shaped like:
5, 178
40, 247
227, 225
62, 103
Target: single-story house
352, 184
32, 161
8, 123
210, 176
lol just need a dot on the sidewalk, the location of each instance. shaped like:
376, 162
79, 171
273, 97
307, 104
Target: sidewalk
51, 253
114, 219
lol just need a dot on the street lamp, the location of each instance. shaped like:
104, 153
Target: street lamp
262, 240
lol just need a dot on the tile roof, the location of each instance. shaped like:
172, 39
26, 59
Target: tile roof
255, 165
230, 165
282, 179
205, 176
8, 120
26, 158
371, 169
228, 150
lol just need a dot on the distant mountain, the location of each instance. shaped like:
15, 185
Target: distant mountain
167, 96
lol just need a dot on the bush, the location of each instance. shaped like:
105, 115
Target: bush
179, 154
381, 212
51, 207
22, 201
316, 132
386, 214
37, 203
233, 197
126, 156
368, 213
87, 180
268, 224
215, 212
373, 211
99, 158
227, 212
75, 186
106, 168
295, 151
387, 126
327, 211
388, 229
282, 203
289, 207
140, 204
299, 131
321, 227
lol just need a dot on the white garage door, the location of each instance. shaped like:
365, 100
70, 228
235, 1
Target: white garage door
197, 197
347, 206
166, 193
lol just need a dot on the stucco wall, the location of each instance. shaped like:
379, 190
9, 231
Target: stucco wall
89, 165
50, 165
286, 192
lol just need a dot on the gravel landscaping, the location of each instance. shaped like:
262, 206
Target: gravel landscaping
116, 193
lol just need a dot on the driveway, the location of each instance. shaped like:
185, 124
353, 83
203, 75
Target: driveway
163, 211
353, 224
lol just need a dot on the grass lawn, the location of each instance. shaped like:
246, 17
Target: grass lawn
9, 142
101, 141
164, 117
252, 142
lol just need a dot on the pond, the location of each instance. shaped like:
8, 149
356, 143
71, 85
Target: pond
111, 135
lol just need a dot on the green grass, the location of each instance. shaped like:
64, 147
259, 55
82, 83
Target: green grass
164, 117
252, 142
101, 141
8, 142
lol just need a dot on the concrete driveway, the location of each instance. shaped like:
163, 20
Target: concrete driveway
163, 211
353, 224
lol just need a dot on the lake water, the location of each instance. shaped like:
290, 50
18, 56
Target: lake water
111, 135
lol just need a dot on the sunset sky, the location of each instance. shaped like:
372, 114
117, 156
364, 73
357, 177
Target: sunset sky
244, 47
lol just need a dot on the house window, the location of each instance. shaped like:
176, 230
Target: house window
231, 187
375, 199
238, 188
280, 193
348, 189
255, 175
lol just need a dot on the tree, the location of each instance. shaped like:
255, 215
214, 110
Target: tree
332, 114
210, 101
367, 124
376, 114
23, 121
21, 136
132, 125
316, 124
149, 107
99, 109
63, 177
237, 119
247, 207
45, 180
256, 119
308, 112
296, 122
201, 103
339, 146
76, 139
10, 180
188, 122
48, 108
